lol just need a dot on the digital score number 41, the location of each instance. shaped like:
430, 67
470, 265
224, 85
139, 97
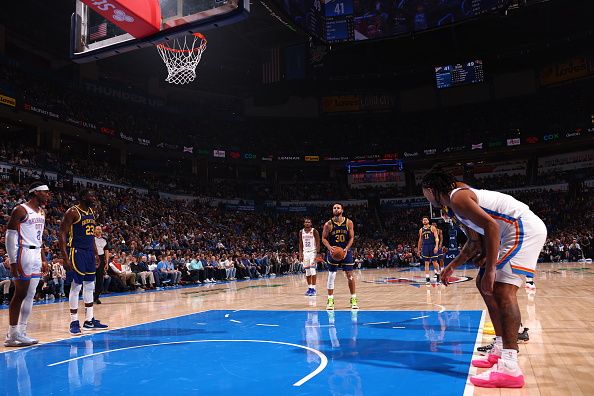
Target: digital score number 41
338, 8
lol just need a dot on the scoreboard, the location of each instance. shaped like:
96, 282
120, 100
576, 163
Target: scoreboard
459, 74
338, 16
349, 20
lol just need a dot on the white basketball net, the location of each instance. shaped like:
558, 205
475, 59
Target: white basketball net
182, 57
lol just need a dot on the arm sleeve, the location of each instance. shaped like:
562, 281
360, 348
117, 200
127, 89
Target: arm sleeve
12, 237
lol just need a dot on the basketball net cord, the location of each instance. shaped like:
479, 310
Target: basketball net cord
182, 58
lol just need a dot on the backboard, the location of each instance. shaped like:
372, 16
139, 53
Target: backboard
94, 37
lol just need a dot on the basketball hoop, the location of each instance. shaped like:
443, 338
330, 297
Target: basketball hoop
181, 58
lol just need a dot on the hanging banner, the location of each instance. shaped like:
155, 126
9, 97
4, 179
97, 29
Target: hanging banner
513, 142
7, 100
571, 69
126, 137
41, 111
357, 103
107, 131
336, 158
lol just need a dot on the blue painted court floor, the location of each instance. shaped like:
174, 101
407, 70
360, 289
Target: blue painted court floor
257, 353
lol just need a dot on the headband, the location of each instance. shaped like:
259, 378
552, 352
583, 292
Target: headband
40, 188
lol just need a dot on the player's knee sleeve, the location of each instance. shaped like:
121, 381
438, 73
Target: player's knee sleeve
28, 300
88, 291
32, 288
27, 303
331, 278
74, 293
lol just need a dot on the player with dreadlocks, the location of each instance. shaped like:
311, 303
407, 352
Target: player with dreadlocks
513, 237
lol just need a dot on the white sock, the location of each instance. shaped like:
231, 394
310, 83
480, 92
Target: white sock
73, 317
426, 275
22, 328
13, 330
332, 297
313, 287
509, 358
509, 354
88, 313
354, 295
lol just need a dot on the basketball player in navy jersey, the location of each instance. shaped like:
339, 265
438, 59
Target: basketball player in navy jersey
77, 245
428, 246
339, 232
440, 250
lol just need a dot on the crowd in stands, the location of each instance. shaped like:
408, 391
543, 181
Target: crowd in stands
70, 162
158, 242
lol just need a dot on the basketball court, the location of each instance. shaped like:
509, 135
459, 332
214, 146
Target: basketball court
265, 337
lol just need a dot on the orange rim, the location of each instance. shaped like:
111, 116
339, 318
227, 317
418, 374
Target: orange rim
200, 48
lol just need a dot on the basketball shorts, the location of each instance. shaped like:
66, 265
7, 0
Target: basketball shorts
309, 260
428, 254
521, 243
345, 264
83, 264
28, 263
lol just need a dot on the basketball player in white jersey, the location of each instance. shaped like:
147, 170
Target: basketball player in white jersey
513, 238
309, 247
24, 239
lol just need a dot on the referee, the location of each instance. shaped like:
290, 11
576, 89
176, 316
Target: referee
103, 253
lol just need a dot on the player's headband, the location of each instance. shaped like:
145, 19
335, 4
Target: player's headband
40, 188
